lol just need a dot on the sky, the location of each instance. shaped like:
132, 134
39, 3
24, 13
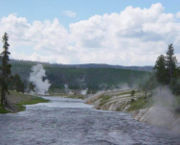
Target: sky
123, 32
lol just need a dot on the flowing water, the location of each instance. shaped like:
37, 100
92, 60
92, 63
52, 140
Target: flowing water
71, 122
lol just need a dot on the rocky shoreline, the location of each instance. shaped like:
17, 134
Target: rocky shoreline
136, 105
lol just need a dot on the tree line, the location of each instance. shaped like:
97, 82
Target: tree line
167, 72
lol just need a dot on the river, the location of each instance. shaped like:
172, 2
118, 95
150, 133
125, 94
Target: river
65, 121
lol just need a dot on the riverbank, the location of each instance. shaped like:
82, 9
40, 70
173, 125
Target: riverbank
65, 121
73, 96
17, 102
118, 100
140, 107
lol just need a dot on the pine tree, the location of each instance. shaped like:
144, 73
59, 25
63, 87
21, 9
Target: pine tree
167, 72
171, 63
17, 84
5, 70
160, 70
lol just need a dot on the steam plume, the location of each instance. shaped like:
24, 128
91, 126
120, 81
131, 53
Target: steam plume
162, 112
37, 78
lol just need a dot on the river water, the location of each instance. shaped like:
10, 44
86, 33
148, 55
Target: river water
71, 122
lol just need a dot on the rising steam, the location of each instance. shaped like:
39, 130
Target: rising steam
37, 77
162, 112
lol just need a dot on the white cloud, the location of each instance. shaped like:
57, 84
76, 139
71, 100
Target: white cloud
178, 14
69, 13
134, 36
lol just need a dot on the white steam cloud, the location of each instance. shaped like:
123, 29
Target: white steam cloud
162, 112
37, 78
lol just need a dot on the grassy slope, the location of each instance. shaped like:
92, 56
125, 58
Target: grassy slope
136, 102
18, 100
140, 103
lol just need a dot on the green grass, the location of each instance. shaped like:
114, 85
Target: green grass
144, 102
19, 100
140, 103
34, 100
56, 94
75, 96
104, 100
124, 93
2, 110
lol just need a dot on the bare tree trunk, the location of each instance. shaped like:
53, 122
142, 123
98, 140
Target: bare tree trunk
3, 98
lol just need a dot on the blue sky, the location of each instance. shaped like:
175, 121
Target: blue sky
123, 32
49, 9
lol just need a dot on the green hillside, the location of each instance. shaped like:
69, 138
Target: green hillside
80, 78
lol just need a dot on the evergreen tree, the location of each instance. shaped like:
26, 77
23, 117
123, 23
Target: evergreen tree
167, 72
5, 70
160, 70
175, 84
16, 83
171, 64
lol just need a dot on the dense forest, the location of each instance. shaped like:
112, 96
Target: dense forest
93, 77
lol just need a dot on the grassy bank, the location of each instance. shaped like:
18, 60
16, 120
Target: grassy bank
73, 96
141, 103
126, 101
2, 110
78, 96
119, 100
17, 101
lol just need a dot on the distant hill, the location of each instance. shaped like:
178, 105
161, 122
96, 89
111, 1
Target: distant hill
88, 65
92, 76
92, 65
